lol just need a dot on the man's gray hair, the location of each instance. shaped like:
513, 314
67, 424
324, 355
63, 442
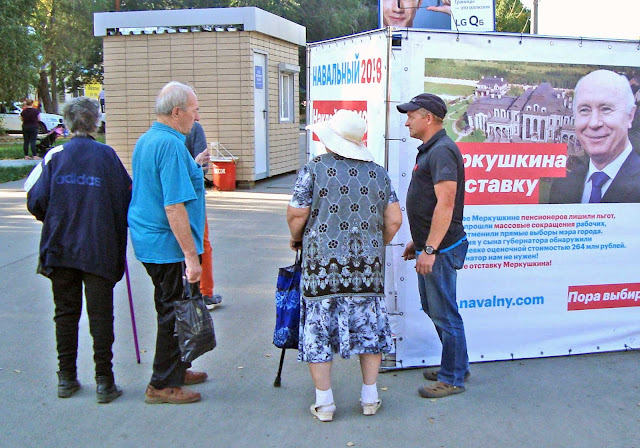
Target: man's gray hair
173, 94
82, 115
607, 77
424, 112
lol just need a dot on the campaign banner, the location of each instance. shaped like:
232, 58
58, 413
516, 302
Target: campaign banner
552, 262
323, 111
352, 77
509, 173
592, 297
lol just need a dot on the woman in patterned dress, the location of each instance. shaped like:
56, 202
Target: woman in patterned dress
342, 213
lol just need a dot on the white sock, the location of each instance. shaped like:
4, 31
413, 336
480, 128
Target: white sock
324, 397
369, 393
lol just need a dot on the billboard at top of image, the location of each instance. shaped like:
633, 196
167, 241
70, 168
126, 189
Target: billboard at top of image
537, 133
461, 15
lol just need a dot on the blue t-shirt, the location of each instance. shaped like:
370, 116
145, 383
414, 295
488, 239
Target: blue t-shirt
164, 173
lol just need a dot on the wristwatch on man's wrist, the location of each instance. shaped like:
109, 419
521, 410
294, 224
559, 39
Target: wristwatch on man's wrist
430, 250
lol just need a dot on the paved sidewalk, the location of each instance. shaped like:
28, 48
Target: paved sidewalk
579, 401
19, 162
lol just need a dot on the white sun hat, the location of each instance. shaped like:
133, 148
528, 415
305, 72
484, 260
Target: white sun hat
343, 134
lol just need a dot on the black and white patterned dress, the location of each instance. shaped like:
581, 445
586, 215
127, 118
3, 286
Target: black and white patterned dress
343, 308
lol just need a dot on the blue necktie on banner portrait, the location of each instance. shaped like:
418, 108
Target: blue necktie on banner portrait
285, 334
598, 179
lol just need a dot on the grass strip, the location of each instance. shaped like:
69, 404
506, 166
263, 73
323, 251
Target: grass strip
11, 151
11, 173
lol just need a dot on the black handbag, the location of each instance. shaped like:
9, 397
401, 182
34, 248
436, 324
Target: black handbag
194, 324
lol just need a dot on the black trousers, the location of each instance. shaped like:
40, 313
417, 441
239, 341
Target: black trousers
29, 136
168, 369
66, 284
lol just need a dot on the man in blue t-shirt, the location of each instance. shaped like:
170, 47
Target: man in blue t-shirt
166, 223
435, 203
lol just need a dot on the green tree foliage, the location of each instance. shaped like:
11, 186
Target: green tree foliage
50, 43
71, 55
512, 16
325, 19
83, 63
289, 9
144, 5
18, 48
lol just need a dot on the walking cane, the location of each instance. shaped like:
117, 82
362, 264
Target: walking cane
276, 383
133, 314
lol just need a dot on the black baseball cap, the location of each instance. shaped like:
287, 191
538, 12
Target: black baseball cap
428, 101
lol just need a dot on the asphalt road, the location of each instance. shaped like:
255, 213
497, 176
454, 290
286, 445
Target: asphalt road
578, 401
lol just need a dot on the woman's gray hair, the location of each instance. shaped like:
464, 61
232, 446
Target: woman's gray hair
174, 94
82, 115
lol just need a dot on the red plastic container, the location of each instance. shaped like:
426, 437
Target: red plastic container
223, 174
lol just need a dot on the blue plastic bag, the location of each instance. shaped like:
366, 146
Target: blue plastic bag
285, 334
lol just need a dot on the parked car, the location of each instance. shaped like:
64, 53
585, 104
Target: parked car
10, 119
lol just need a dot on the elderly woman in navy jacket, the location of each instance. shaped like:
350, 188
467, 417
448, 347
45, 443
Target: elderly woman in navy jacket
81, 193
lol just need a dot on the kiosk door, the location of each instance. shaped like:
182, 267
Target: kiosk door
260, 113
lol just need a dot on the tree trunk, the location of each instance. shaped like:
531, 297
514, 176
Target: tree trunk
54, 87
43, 91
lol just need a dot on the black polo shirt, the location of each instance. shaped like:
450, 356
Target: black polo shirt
438, 159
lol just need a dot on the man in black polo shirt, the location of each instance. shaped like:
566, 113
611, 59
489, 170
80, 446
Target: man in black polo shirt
435, 202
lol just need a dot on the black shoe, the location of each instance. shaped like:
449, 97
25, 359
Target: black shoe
106, 390
67, 384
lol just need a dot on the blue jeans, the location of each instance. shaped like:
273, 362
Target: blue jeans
438, 296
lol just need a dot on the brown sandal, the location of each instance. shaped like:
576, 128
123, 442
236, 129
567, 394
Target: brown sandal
439, 390
432, 375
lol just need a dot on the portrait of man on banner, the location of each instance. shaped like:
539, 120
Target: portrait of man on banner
604, 109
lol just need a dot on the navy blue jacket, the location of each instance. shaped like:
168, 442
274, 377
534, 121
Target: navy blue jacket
81, 193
